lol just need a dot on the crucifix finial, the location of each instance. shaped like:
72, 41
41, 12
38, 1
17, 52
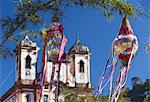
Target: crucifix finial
78, 38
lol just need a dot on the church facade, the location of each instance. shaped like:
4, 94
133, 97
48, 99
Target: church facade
74, 73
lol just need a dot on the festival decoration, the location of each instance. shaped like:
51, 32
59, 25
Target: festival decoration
123, 49
54, 42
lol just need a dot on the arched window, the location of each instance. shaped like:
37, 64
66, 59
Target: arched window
28, 61
45, 98
81, 66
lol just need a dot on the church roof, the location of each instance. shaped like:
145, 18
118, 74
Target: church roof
79, 47
27, 42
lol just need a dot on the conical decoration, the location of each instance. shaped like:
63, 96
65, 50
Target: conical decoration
125, 28
125, 41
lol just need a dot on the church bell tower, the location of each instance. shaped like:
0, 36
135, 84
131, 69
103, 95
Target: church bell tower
79, 72
26, 62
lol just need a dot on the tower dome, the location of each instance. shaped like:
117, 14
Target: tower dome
79, 47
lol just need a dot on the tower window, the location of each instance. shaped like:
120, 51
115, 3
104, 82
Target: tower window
45, 98
28, 98
28, 61
81, 66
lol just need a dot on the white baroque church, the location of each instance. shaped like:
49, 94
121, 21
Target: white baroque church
74, 73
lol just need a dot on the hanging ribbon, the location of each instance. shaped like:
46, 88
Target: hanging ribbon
61, 52
63, 44
102, 76
43, 74
122, 78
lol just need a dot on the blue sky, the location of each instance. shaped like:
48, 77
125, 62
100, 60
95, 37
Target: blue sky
95, 31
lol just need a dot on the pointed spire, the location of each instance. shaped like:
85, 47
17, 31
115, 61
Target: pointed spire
125, 28
26, 37
78, 39
78, 46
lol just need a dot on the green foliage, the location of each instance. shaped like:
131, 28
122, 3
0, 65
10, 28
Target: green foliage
4, 52
136, 94
101, 99
77, 95
124, 97
139, 90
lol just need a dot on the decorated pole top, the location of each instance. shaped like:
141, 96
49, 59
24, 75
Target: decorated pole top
55, 29
125, 28
54, 19
53, 38
55, 26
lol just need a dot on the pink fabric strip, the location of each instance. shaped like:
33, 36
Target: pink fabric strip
44, 71
100, 82
122, 36
64, 40
43, 75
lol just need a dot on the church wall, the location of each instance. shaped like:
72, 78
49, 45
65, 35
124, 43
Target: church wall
49, 71
12, 98
16, 99
71, 73
50, 94
89, 74
31, 96
62, 72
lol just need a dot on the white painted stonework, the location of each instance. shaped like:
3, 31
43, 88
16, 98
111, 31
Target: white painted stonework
31, 96
71, 69
50, 66
32, 71
12, 98
66, 72
81, 77
50, 94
